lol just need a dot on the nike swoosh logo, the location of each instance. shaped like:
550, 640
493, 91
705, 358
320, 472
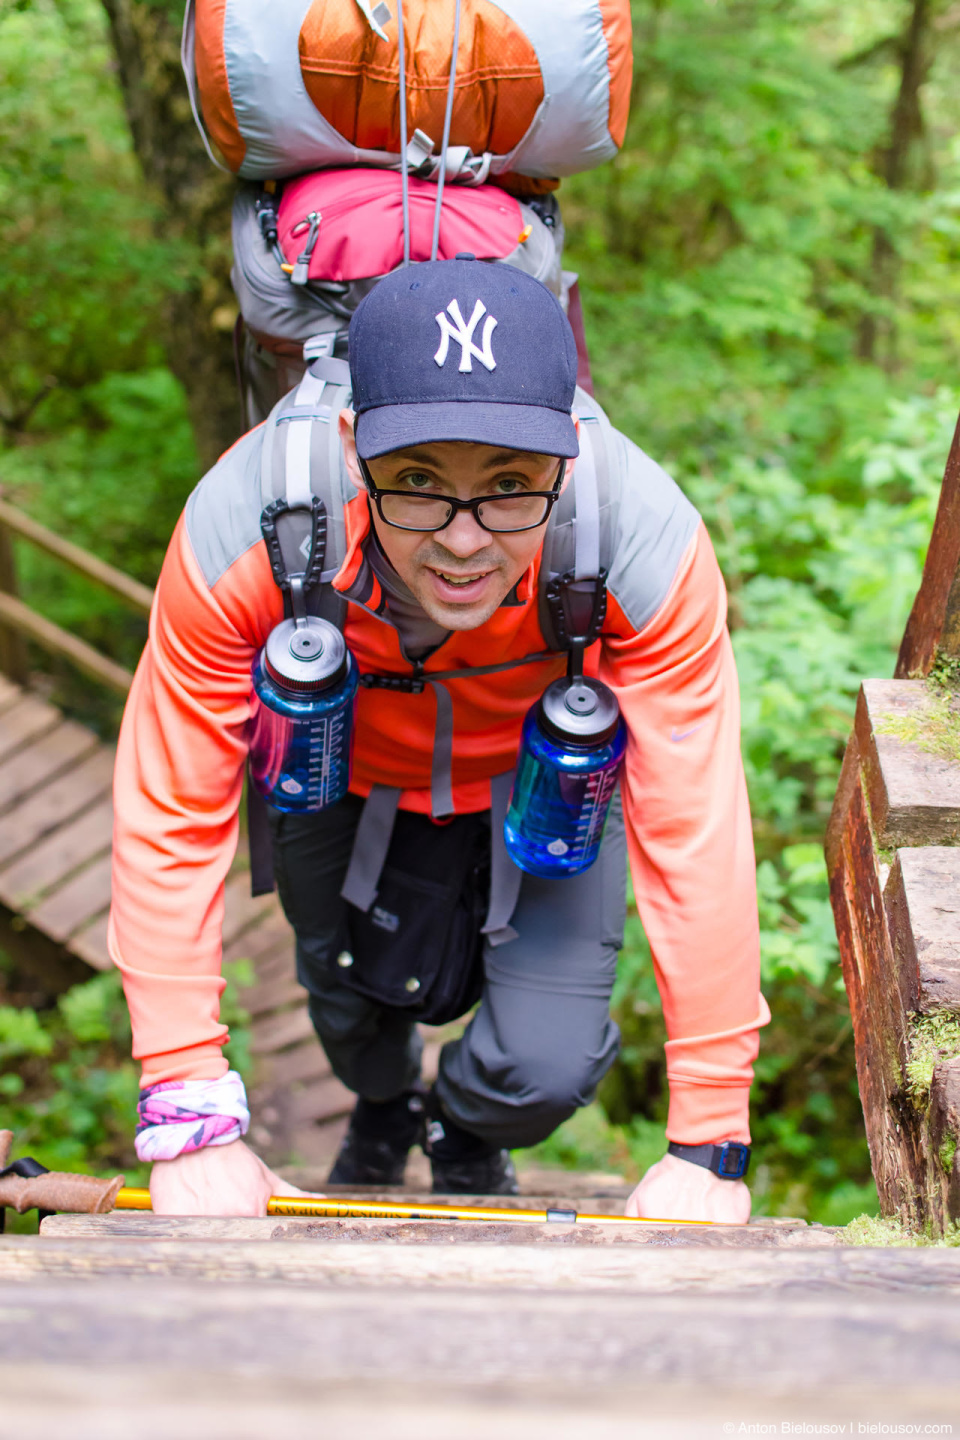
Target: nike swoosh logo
676, 734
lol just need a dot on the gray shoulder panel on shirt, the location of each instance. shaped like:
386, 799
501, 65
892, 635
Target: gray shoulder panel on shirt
653, 522
223, 513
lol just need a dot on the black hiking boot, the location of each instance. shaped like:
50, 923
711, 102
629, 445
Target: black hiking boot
462, 1163
374, 1149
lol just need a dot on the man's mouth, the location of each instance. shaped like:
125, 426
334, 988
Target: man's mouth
450, 584
458, 579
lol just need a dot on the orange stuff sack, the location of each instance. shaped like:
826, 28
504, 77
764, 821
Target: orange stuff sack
542, 89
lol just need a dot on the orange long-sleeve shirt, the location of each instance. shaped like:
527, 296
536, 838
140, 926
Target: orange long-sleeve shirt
665, 652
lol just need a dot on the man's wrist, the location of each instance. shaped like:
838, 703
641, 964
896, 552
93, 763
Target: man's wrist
178, 1116
727, 1159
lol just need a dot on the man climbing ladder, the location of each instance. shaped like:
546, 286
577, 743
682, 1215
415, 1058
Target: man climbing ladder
446, 512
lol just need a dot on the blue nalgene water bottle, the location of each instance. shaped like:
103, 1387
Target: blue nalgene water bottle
302, 735
571, 752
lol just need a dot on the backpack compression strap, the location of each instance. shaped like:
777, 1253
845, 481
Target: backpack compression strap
299, 475
302, 525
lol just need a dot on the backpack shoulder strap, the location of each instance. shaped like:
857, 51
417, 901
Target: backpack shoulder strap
301, 487
578, 546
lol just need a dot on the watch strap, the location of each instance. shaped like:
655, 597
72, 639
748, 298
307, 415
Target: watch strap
729, 1161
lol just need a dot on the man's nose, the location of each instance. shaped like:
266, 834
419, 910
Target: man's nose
463, 536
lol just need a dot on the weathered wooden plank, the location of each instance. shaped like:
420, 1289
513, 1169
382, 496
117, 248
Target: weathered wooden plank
914, 796
465, 1251
277, 1032
41, 761
26, 720
325, 1099
271, 936
922, 899
90, 944
944, 1122
247, 1250
56, 803
278, 962
52, 859
877, 1006
277, 994
294, 1066
434, 1336
79, 900
241, 909
935, 618
9, 693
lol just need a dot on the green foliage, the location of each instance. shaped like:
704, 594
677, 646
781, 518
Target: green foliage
932, 1038
21, 1034
588, 1141
68, 1089
82, 271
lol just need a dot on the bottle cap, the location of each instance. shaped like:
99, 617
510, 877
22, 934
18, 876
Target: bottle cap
308, 657
581, 712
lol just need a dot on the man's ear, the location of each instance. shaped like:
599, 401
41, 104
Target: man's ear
348, 440
571, 464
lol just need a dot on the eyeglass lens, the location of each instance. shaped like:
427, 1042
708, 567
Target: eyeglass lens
431, 512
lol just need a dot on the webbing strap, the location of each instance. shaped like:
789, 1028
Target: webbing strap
298, 492
370, 846
586, 534
441, 770
505, 877
445, 142
188, 62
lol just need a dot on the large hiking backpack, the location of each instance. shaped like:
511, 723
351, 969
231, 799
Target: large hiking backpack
539, 90
307, 251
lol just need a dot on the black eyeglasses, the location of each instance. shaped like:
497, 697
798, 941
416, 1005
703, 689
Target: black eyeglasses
500, 514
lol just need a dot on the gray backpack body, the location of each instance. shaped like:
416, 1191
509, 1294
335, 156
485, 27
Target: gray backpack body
286, 325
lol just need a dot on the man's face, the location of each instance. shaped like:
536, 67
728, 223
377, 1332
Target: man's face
458, 575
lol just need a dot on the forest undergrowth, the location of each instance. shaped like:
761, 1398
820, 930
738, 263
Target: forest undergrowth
771, 289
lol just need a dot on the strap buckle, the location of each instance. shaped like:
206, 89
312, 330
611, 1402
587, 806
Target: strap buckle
578, 609
313, 563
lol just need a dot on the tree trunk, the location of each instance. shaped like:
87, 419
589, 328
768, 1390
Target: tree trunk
878, 336
194, 200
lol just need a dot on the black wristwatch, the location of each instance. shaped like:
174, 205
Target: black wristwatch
730, 1161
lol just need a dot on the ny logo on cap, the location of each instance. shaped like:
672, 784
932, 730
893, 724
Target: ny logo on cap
463, 334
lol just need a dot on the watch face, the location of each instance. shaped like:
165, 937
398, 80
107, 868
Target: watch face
733, 1161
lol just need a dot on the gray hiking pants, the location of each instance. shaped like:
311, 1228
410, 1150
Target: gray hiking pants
541, 1039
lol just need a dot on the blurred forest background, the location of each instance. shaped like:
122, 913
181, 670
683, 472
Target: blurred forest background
771, 282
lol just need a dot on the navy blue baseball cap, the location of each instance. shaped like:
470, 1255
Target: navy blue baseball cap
462, 350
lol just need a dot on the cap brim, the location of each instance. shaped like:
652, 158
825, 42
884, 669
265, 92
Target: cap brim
517, 427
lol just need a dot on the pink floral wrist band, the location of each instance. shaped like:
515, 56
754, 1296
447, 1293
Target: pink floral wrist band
177, 1116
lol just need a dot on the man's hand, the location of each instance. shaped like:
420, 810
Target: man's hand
673, 1189
218, 1180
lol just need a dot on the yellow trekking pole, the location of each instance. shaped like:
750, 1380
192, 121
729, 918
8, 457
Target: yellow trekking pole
27, 1185
342, 1209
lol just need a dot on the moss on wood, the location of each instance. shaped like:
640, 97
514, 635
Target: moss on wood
932, 1038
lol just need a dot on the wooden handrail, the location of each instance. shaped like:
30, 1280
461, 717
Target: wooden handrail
139, 597
21, 618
